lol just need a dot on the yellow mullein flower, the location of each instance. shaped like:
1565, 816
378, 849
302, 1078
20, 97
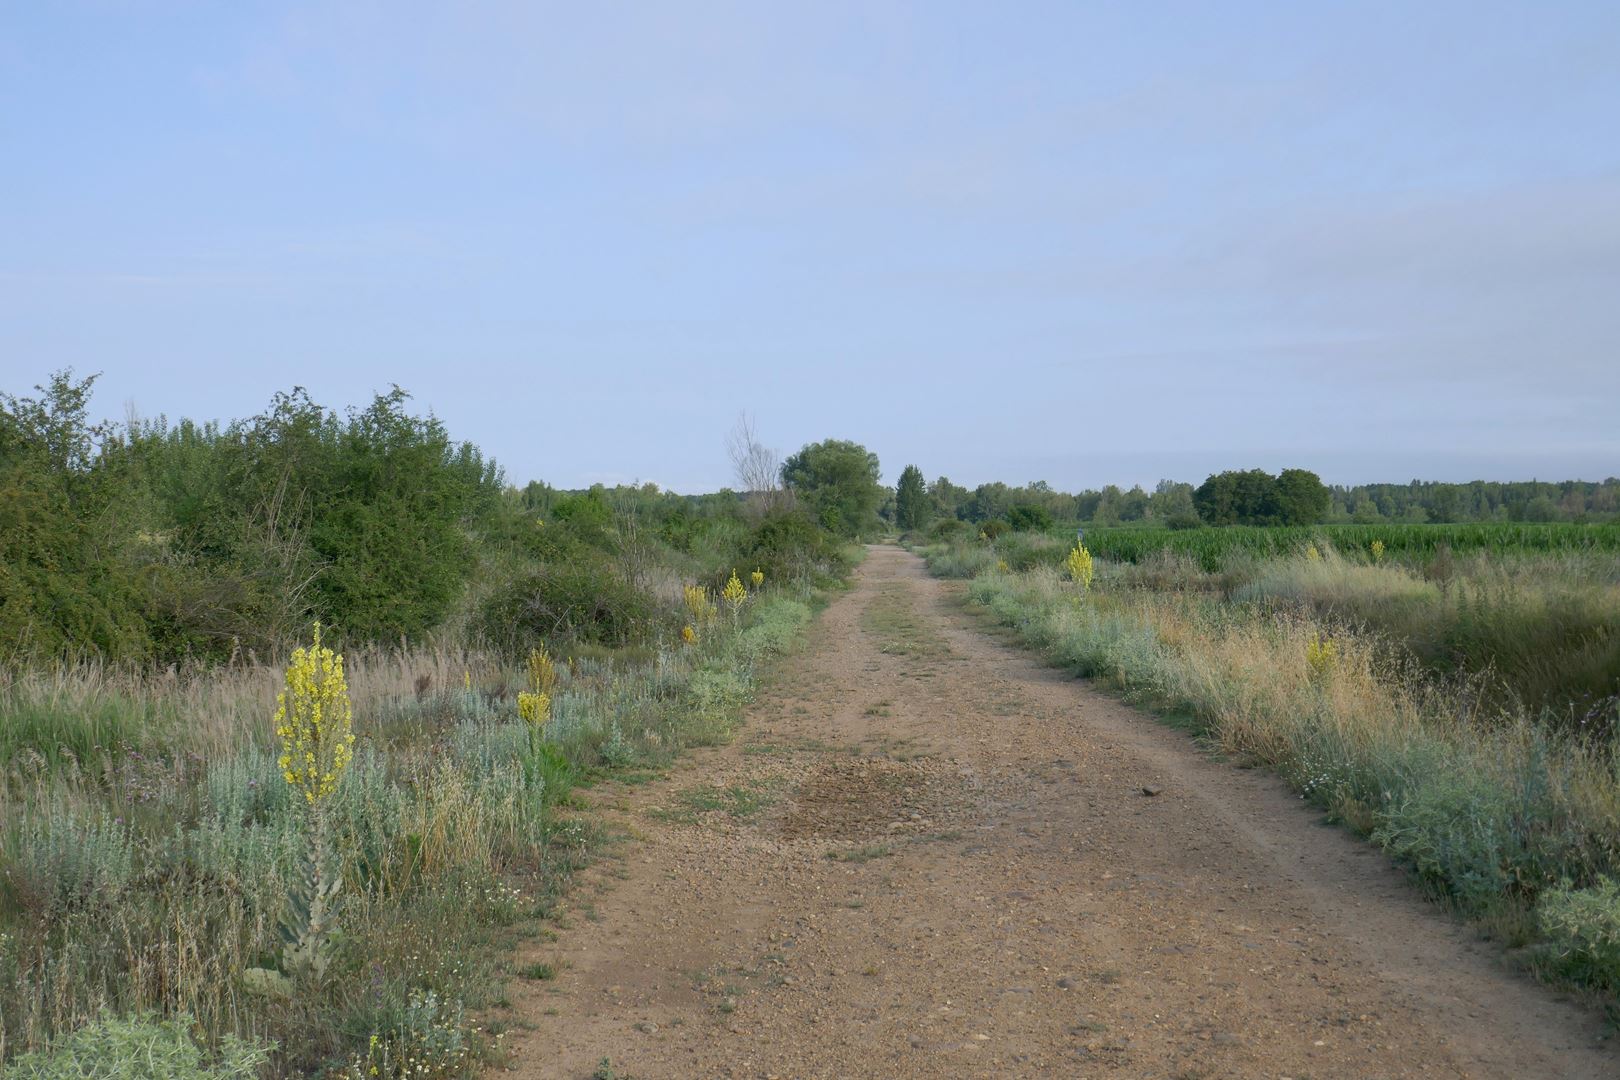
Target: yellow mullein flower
1320, 656
735, 594
314, 721
534, 709
1378, 551
757, 577
688, 634
542, 672
1313, 555
698, 603
1080, 566
534, 704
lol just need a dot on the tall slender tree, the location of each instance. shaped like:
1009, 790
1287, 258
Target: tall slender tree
912, 508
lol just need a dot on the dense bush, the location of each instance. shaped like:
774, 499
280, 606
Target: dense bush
1026, 518
165, 542
790, 547
582, 599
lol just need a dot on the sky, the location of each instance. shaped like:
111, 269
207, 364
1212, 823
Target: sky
1084, 243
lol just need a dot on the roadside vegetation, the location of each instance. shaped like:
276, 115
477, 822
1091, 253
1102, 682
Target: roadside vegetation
295, 714
1451, 692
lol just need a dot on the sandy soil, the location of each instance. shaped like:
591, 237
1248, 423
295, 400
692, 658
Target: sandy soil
926, 855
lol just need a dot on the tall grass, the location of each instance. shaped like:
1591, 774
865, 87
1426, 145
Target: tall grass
1212, 546
1517, 821
1543, 633
148, 843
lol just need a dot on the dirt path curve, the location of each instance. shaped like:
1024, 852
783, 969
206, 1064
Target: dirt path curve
927, 856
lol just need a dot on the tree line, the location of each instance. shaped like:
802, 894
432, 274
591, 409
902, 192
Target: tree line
1250, 497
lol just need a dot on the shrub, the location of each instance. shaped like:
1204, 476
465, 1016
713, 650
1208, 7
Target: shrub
583, 599
790, 547
1027, 518
141, 1048
1582, 927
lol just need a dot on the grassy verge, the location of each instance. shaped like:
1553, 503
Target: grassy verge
148, 846
1518, 823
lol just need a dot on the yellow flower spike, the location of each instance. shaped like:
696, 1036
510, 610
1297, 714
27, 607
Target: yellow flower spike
757, 577
1321, 654
542, 672
534, 709
688, 634
734, 594
1378, 551
1313, 555
1080, 566
314, 721
698, 603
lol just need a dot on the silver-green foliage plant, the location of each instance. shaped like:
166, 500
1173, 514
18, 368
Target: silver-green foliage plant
138, 1048
1583, 931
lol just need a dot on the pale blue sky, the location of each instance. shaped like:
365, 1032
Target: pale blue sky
1084, 243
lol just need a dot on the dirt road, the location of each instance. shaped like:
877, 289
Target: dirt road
926, 855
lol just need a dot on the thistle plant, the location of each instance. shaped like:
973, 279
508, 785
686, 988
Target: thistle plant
1080, 566
314, 723
735, 594
757, 577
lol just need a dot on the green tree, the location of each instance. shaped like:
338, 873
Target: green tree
839, 481
1302, 498
947, 497
1171, 500
65, 583
912, 507
1238, 497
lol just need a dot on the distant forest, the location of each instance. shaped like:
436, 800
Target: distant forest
1416, 502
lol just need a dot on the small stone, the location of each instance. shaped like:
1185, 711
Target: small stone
1151, 790
1066, 983
647, 1027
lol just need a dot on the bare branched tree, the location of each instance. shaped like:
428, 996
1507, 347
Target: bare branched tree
758, 468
